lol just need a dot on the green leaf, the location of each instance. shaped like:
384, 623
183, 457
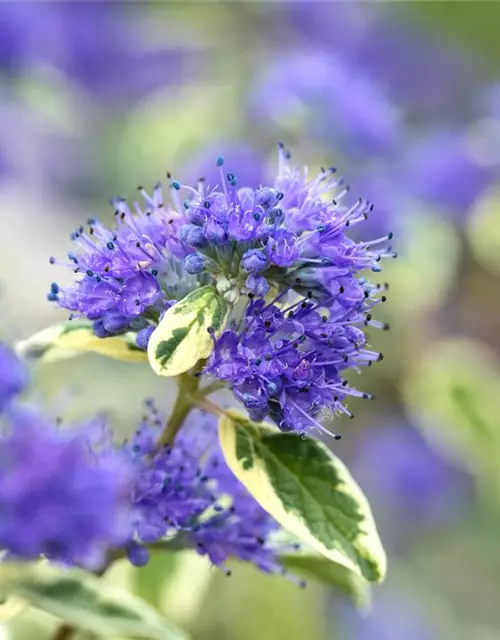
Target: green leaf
74, 338
182, 337
308, 490
336, 575
86, 602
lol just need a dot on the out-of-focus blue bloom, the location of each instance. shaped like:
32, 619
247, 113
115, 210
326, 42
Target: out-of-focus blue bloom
188, 490
416, 69
440, 169
59, 496
403, 475
96, 44
421, 72
337, 103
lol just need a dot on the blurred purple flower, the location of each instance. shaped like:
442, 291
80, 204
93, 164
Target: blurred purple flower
416, 68
56, 497
97, 44
339, 104
188, 490
404, 476
440, 170
420, 71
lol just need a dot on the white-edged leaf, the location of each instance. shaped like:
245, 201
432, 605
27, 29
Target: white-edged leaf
182, 337
307, 489
85, 602
74, 338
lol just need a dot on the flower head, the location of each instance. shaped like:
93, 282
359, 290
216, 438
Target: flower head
285, 243
58, 497
187, 490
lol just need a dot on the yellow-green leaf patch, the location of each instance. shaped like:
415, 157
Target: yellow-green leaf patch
74, 338
182, 337
308, 490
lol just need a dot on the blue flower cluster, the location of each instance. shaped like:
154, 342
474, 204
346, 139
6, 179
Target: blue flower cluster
58, 497
188, 490
71, 495
282, 249
126, 272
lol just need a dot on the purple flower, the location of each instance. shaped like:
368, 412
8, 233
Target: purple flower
425, 74
340, 105
97, 44
126, 271
287, 234
287, 363
183, 491
59, 497
284, 359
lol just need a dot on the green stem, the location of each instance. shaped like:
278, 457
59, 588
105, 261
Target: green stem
189, 397
188, 386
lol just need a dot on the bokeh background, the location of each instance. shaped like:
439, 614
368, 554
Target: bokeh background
98, 97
